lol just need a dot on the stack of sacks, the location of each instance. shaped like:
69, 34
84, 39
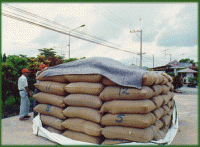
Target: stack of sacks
51, 102
163, 99
137, 115
83, 114
127, 114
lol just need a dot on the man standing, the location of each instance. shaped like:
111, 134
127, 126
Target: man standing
23, 92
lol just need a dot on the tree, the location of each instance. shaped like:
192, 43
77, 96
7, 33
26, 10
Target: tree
177, 82
187, 60
4, 58
47, 52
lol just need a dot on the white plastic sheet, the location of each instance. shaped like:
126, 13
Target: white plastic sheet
60, 139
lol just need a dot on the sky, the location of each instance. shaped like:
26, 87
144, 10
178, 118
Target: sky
168, 31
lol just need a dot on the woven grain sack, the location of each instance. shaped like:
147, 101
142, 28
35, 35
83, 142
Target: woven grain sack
158, 100
159, 79
171, 103
160, 135
50, 110
159, 124
51, 87
93, 78
114, 141
159, 112
148, 79
129, 133
125, 93
166, 120
84, 126
53, 130
165, 81
165, 89
83, 100
52, 121
171, 95
170, 79
128, 120
84, 88
83, 137
170, 112
164, 129
128, 106
59, 78
157, 89
83, 112
166, 98
170, 85
166, 108
108, 82
52, 99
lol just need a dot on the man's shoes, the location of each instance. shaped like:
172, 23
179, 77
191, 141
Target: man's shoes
24, 118
27, 116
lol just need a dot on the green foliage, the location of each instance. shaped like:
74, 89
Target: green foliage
192, 80
70, 59
187, 60
4, 58
177, 82
47, 52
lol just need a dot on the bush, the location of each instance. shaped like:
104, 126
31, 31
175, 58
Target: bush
177, 82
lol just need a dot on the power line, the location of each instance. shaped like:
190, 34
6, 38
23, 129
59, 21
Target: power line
33, 23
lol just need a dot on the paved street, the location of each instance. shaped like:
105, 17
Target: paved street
15, 132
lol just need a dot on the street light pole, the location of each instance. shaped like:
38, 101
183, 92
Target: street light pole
69, 36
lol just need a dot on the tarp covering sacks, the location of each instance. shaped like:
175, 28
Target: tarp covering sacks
100, 101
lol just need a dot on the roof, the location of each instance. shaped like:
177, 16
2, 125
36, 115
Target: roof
187, 70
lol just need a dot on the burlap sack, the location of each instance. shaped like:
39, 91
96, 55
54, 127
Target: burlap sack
170, 112
148, 79
93, 78
51, 87
84, 126
125, 93
165, 81
166, 120
170, 79
52, 121
83, 112
83, 137
114, 141
171, 103
158, 100
128, 106
53, 130
50, 110
165, 89
166, 108
158, 89
159, 135
159, 79
128, 120
59, 78
158, 112
166, 98
164, 129
130, 134
84, 88
170, 85
83, 100
159, 124
52, 99
171, 95
108, 82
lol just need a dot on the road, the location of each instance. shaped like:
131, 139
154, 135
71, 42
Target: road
15, 132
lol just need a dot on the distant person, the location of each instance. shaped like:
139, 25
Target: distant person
24, 92
42, 68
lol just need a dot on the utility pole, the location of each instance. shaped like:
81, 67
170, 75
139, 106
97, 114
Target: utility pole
140, 45
168, 54
153, 61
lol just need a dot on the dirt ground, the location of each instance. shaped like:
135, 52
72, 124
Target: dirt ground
15, 132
